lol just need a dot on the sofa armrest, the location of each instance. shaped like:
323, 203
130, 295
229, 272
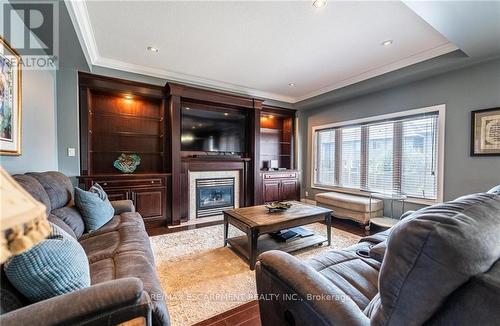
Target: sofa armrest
123, 206
292, 292
107, 303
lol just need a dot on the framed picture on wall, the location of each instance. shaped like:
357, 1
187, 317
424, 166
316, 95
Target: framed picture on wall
10, 100
485, 136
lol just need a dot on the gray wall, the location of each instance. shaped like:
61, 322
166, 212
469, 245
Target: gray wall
71, 61
39, 136
475, 87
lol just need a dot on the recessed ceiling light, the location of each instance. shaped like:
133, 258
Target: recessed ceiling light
193, 127
128, 97
225, 113
291, 84
387, 43
188, 108
152, 49
319, 3
271, 116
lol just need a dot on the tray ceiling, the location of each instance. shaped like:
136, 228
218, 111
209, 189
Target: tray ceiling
256, 48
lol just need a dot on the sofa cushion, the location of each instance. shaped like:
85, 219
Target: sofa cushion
94, 206
34, 188
71, 216
350, 202
121, 249
118, 221
55, 266
58, 187
60, 223
436, 250
356, 276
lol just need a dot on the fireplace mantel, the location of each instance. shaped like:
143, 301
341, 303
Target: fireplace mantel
202, 164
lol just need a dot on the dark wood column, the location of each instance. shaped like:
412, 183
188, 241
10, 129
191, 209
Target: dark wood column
174, 131
255, 154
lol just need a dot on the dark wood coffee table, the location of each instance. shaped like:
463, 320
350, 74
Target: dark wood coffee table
257, 223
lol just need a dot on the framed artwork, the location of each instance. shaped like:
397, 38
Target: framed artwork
10, 100
485, 132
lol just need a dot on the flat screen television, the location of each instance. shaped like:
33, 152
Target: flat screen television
216, 130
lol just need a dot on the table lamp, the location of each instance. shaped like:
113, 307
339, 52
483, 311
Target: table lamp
23, 220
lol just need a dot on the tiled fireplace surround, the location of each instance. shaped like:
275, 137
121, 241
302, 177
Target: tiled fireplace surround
194, 175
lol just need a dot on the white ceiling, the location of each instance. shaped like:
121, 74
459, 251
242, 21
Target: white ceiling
258, 47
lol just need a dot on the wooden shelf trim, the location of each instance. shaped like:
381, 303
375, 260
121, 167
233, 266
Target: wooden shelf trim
127, 116
127, 152
128, 134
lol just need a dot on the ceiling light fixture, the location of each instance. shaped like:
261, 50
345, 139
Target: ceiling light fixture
152, 49
387, 43
128, 97
291, 84
319, 3
226, 114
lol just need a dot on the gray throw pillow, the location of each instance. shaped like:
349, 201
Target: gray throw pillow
95, 207
55, 266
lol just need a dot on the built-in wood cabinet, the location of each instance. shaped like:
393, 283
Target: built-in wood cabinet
120, 116
280, 185
148, 192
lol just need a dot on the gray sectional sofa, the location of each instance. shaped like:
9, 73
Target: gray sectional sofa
438, 266
124, 284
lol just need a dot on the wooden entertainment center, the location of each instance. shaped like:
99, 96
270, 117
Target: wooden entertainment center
119, 116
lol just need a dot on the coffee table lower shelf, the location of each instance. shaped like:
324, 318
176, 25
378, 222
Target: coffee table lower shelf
266, 243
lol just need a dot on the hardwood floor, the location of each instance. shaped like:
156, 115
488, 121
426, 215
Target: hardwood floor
248, 313
244, 315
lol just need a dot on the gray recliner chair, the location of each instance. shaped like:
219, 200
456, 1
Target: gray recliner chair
439, 266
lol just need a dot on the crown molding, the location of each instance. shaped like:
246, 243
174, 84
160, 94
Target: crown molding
189, 79
81, 21
79, 16
408, 61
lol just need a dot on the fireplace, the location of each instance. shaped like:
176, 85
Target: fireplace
213, 196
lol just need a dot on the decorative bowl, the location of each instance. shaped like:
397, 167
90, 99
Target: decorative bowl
277, 206
127, 163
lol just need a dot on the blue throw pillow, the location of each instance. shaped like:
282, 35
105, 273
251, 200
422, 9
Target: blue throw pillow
55, 266
94, 206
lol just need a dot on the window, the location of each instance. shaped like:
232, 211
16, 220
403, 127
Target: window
326, 167
395, 153
350, 172
380, 157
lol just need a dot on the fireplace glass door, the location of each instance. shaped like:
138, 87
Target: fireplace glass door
213, 196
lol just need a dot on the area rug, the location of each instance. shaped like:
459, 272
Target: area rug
201, 278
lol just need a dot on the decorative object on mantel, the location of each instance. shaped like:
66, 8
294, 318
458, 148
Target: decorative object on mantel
485, 132
23, 220
278, 206
10, 100
127, 163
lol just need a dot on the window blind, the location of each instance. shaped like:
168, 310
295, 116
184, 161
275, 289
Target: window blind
325, 168
419, 157
380, 157
350, 153
397, 155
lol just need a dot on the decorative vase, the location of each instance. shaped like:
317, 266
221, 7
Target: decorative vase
127, 163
